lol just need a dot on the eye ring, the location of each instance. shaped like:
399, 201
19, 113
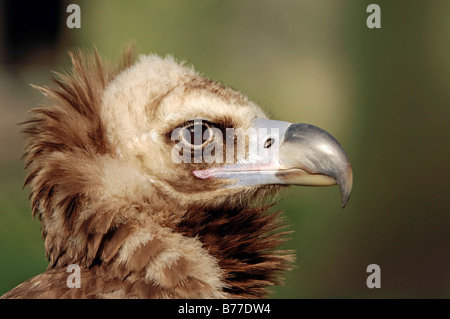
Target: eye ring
196, 134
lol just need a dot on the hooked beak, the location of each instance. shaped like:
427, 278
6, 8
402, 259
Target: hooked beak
290, 154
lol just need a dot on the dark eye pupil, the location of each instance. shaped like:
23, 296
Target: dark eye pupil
197, 134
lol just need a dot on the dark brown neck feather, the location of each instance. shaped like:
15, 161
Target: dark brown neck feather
243, 241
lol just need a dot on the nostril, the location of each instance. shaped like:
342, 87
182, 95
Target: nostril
269, 142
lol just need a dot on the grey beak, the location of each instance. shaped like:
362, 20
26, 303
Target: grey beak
308, 149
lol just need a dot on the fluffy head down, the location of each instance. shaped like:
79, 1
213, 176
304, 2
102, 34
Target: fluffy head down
111, 200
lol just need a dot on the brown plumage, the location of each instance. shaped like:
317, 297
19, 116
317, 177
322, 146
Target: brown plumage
111, 200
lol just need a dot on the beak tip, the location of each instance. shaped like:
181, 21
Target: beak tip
344, 199
344, 202
346, 187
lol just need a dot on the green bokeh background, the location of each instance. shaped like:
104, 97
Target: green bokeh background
383, 93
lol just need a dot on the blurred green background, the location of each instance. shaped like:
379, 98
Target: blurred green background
383, 93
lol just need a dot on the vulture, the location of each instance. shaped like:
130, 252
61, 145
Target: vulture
158, 182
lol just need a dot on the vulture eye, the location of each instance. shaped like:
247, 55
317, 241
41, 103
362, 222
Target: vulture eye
197, 134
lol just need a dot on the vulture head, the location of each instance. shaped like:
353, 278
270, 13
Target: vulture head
157, 182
